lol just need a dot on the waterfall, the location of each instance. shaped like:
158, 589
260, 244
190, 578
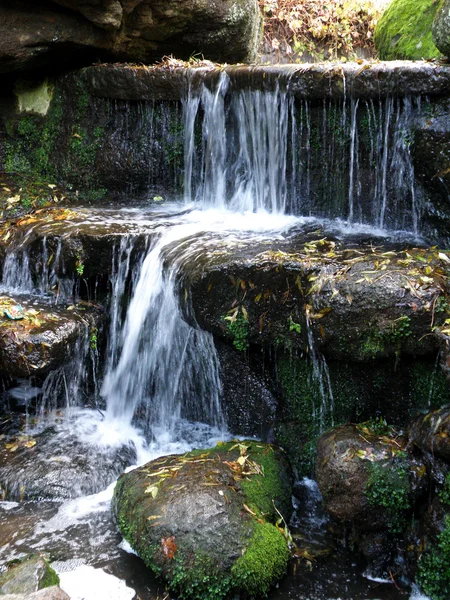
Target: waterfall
159, 366
244, 150
265, 150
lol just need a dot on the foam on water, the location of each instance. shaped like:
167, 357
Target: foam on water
87, 583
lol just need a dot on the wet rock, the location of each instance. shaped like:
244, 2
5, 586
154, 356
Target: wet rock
431, 156
441, 28
249, 405
46, 336
141, 30
431, 433
356, 302
28, 576
404, 30
50, 593
312, 81
57, 464
203, 520
433, 521
366, 478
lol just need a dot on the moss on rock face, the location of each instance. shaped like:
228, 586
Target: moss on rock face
264, 560
433, 574
404, 30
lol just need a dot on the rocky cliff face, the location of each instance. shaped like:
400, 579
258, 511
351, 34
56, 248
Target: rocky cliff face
44, 33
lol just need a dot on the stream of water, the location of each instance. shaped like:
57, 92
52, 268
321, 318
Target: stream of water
162, 384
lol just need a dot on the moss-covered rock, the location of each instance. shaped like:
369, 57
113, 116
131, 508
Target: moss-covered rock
404, 30
28, 576
207, 521
441, 27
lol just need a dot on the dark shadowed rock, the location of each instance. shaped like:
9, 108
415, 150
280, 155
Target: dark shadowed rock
34, 34
203, 520
249, 405
431, 433
364, 478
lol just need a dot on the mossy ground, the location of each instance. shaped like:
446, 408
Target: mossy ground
404, 30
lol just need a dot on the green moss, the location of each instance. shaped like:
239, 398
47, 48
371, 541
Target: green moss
264, 561
404, 30
303, 417
429, 387
198, 578
388, 487
51, 578
264, 492
444, 494
433, 574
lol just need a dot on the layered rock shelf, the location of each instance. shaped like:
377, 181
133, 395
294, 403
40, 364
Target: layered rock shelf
311, 81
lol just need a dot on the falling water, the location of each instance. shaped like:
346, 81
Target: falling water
266, 150
160, 364
16, 275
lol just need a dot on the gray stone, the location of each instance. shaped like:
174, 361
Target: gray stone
197, 519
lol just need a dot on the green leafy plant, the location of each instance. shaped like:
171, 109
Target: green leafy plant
293, 326
237, 326
79, 265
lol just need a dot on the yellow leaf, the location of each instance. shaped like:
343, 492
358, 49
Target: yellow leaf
152, 489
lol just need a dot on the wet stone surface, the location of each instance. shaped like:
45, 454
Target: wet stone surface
44, 336
56, 463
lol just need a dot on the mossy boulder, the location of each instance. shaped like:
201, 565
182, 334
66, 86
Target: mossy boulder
404, 30
207, 521
27, 576
441, 27
349, 461
372, 484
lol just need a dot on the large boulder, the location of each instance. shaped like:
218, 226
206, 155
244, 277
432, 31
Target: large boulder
205, 521
34, 34
441, 27
371, 485
404, 30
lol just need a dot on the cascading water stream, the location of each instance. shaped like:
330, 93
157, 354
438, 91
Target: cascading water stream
163, 361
